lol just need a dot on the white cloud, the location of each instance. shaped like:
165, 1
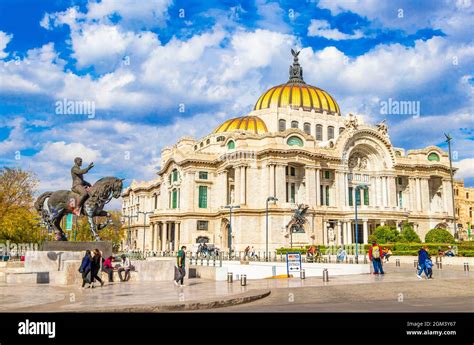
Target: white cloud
466, 168
4, 40
322, 28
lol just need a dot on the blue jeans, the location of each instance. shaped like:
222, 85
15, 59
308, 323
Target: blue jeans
377, 266
422, 268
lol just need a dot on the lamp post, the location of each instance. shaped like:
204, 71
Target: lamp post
145, 213
229, 240
448, 140
270, 198
357, 192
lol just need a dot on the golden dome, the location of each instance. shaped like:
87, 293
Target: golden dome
297, 94
245, 123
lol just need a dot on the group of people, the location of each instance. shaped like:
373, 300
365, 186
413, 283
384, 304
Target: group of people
93, 262
249, 253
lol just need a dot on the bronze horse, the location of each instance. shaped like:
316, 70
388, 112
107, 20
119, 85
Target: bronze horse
53, 206
298, 220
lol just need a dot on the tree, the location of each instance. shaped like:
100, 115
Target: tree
19, 222
439, 236
408, 234
384, 234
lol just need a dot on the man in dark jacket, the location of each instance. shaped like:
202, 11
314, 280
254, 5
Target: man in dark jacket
375, 255
422, 257
85, 268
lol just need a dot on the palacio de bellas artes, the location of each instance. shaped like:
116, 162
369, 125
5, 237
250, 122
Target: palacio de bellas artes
296, 151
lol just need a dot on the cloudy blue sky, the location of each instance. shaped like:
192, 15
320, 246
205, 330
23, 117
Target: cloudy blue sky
160, 69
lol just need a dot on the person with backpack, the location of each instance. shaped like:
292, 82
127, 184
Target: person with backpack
423, 256
85, 269
375, 255
180, 270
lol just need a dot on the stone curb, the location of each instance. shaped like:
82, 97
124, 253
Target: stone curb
186, 306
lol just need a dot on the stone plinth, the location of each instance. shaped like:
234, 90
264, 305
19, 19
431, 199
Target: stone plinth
49, 261
65, 246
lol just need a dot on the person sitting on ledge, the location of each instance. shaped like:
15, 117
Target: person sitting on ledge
387, 253
108, 268
124, 266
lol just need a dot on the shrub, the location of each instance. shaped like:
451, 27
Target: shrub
384, 234
439, 236
408, 234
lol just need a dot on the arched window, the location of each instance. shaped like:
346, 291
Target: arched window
208, 141
294, 141
294, 124
433, 157
330, 132
220, 138
231, 145
282, 125
341, 129
307, 128
319, 132
175, 175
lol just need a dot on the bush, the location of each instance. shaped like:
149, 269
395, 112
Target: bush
408, 234
384, 234
439, 236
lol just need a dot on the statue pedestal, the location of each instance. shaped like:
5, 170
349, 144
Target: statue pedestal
66, 246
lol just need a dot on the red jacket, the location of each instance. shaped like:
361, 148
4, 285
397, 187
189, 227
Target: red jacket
370, 251
108, 263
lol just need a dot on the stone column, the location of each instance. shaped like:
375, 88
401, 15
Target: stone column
237, 185
346, 190
310, 181
339, 233
325, 233
412, 195
164, 237
349, 232
366, 231
445, 196
425, 195
280, 182
243, 184
221, 190
318, 187
392, 191
271, 186
418, 195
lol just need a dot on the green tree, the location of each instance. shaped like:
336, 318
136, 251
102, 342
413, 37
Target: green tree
439, 236
408, 234
384, 234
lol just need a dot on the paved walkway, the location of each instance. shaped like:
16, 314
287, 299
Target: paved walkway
203, 294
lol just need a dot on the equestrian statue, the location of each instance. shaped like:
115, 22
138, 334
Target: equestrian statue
83, 199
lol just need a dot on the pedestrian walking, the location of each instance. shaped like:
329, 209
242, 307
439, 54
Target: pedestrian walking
423, 256
85, 268
180, 271
375, 255
95, 267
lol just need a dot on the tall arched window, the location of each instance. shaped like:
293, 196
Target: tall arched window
319, 132
330, 132
282, 125
231, 145
307, 128
294, 124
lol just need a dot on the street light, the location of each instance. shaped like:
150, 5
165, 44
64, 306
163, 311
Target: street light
229, 240
270, 198
357, 192
145, 213
448, 140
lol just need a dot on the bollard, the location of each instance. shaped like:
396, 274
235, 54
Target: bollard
351, 260
230, 277
415, 263
325, 275
439, 265
329, 259
466, 267
302, 274
365, 259
397, 263
243, 280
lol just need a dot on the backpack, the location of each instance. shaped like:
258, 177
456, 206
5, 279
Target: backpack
376, 252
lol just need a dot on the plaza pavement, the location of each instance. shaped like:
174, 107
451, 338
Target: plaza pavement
398, 290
